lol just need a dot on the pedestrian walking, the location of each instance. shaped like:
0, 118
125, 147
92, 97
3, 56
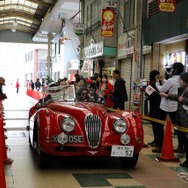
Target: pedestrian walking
17, 86
32, 85
120, 92
37, 84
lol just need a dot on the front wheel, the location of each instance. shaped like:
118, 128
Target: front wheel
43, 159
129, 162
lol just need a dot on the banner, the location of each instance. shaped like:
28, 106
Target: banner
167, 5
107, 29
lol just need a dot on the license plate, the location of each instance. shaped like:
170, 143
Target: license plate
122, 151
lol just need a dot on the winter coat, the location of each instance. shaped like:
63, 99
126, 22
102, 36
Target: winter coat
120, 92
182, 117
107, 91
154, 102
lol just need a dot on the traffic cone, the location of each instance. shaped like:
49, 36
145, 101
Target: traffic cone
167, 149
3, 145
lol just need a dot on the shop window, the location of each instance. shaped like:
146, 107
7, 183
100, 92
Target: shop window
93, 12
170, 58
129, 13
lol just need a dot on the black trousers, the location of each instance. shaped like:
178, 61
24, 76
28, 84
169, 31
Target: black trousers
160, 131
119, 105
185, 143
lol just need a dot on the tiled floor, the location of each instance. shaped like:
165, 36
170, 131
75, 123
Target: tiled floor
24, 173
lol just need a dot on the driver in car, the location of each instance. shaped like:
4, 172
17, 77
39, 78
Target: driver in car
83, 95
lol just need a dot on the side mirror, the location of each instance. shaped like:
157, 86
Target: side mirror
38, 105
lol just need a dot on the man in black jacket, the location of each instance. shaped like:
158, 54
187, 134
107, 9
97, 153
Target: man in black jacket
120, 92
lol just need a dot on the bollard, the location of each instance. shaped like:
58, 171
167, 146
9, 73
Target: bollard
3, 145
2, 173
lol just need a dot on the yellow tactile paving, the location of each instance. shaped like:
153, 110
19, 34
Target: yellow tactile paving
123, 182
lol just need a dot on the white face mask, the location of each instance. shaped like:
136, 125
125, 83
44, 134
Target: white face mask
104, 79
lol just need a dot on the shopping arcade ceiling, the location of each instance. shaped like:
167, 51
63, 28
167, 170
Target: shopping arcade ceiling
35, 16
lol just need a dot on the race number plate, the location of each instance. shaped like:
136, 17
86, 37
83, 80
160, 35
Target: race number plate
71, 139
122, 151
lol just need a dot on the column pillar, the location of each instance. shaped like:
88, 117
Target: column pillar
49, 53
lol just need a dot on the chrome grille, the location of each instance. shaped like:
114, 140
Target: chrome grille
93, 130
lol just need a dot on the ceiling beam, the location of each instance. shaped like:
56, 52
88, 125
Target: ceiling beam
22, 14
20, 5
19, 28
44, 3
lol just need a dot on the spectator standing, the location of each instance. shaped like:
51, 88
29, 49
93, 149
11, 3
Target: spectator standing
62, 81
169, 107
2, 83
154, 103
17, 86
107, 88
37, 84
120, 92
79, 83
98, 81
43, 85
182, 115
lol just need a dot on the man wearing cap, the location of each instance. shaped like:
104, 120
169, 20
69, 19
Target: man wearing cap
182, 116
2, 83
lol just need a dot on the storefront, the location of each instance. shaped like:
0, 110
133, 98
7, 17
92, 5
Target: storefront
98, 59
129, 69
125, 57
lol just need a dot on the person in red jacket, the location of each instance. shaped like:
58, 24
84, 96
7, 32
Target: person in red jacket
17, 86
107, 88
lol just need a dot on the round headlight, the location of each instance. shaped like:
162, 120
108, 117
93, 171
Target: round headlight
120, 125
68, 124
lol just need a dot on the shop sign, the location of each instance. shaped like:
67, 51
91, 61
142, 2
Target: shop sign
94, 50
111, 4
107, 29
125, 44
79, 29
167, 5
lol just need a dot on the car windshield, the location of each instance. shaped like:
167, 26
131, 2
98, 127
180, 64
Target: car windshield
68, 93
62, 93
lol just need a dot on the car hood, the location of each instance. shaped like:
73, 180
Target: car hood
79, 108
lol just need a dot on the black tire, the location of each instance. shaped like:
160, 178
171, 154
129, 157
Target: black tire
43, 159
129, 162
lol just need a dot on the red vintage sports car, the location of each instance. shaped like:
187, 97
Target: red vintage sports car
66, 123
